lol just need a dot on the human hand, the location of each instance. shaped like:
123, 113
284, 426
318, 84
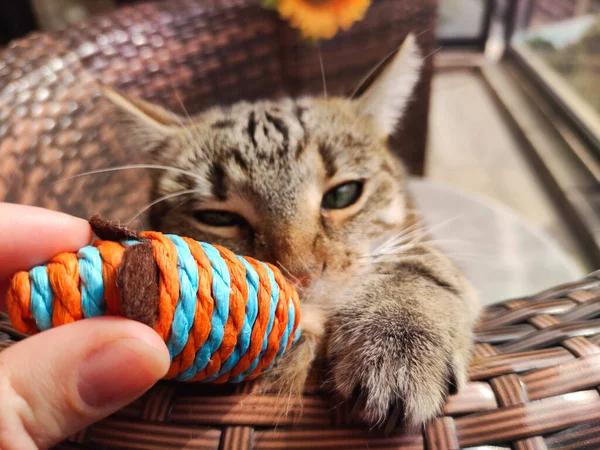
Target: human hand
56, 383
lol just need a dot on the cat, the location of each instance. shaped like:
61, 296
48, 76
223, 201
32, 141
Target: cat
312, 186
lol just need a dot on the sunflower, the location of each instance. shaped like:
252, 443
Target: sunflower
318, 19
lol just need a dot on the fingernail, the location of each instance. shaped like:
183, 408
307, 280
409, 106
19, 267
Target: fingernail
121, 371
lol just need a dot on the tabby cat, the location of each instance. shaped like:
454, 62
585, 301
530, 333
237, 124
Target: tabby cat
312, 186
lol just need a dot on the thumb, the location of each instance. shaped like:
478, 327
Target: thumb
55, 383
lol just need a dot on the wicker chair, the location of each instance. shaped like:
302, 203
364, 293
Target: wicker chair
55, 124
534, 386
536, 371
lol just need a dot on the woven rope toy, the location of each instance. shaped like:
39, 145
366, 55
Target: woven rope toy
224, 318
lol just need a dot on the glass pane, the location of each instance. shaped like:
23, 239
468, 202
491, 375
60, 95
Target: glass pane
461, 19
560, 39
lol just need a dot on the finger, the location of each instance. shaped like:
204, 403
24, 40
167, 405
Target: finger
56, 383
30, 236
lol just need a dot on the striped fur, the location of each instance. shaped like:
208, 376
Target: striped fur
395, 314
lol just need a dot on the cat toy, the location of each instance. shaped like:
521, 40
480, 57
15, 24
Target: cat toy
224, 318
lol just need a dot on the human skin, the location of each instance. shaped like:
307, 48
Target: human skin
57, 382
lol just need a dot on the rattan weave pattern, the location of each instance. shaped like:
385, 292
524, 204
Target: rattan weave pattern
54, 123
534, 385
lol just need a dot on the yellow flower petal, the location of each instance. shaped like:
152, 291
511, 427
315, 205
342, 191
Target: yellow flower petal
318, 19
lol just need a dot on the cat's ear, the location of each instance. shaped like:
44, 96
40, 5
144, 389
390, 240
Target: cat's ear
386, 99
141, 123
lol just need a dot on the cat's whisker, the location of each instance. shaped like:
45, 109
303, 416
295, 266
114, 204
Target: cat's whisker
128, 167
383, 61
372, 71
289, 274
325, 96
162, 199
458, 257
189, 133
184, 109
423, 32
411, 231
476, 259
443, 223
457, 242
429, 55
402, 237
406, 234
398, 237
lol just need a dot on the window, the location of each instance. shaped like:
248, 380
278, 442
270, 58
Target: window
560, 42
464, 21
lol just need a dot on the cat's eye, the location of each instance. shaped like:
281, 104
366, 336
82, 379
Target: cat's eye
216, 218
342, 196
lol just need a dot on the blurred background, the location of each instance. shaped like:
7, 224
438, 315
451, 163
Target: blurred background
503, 138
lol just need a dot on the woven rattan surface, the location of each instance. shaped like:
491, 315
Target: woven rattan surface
534, 385
54, 123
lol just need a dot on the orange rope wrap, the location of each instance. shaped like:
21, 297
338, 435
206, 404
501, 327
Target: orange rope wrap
112, 254
18, 304
204, 309
61, 304
262, 319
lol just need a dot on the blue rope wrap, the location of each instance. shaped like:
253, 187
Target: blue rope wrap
41, 298
221, 285
243, 339
90, 266
286, 335
272, 309
92, 283
183, 318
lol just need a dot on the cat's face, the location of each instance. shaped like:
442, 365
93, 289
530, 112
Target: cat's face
309, 185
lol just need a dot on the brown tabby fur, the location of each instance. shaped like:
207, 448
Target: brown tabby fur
393, 314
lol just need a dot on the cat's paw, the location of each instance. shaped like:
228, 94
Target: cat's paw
384, 361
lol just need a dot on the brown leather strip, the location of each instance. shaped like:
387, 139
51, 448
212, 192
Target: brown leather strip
517, 362
341, 413
509, 390
552, 335
582, 296
488, 314
573, 376
543, 321
498, 335
581, 346
519, 315
334, 439
535, 443
158, 403
534, 419
440, 434
516, 304
582, 437
565, 290
134, 410
79, 437
137, 281
117, 434
237, 438
111, 230
483, 351
251, 410
581, 312
472, 398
